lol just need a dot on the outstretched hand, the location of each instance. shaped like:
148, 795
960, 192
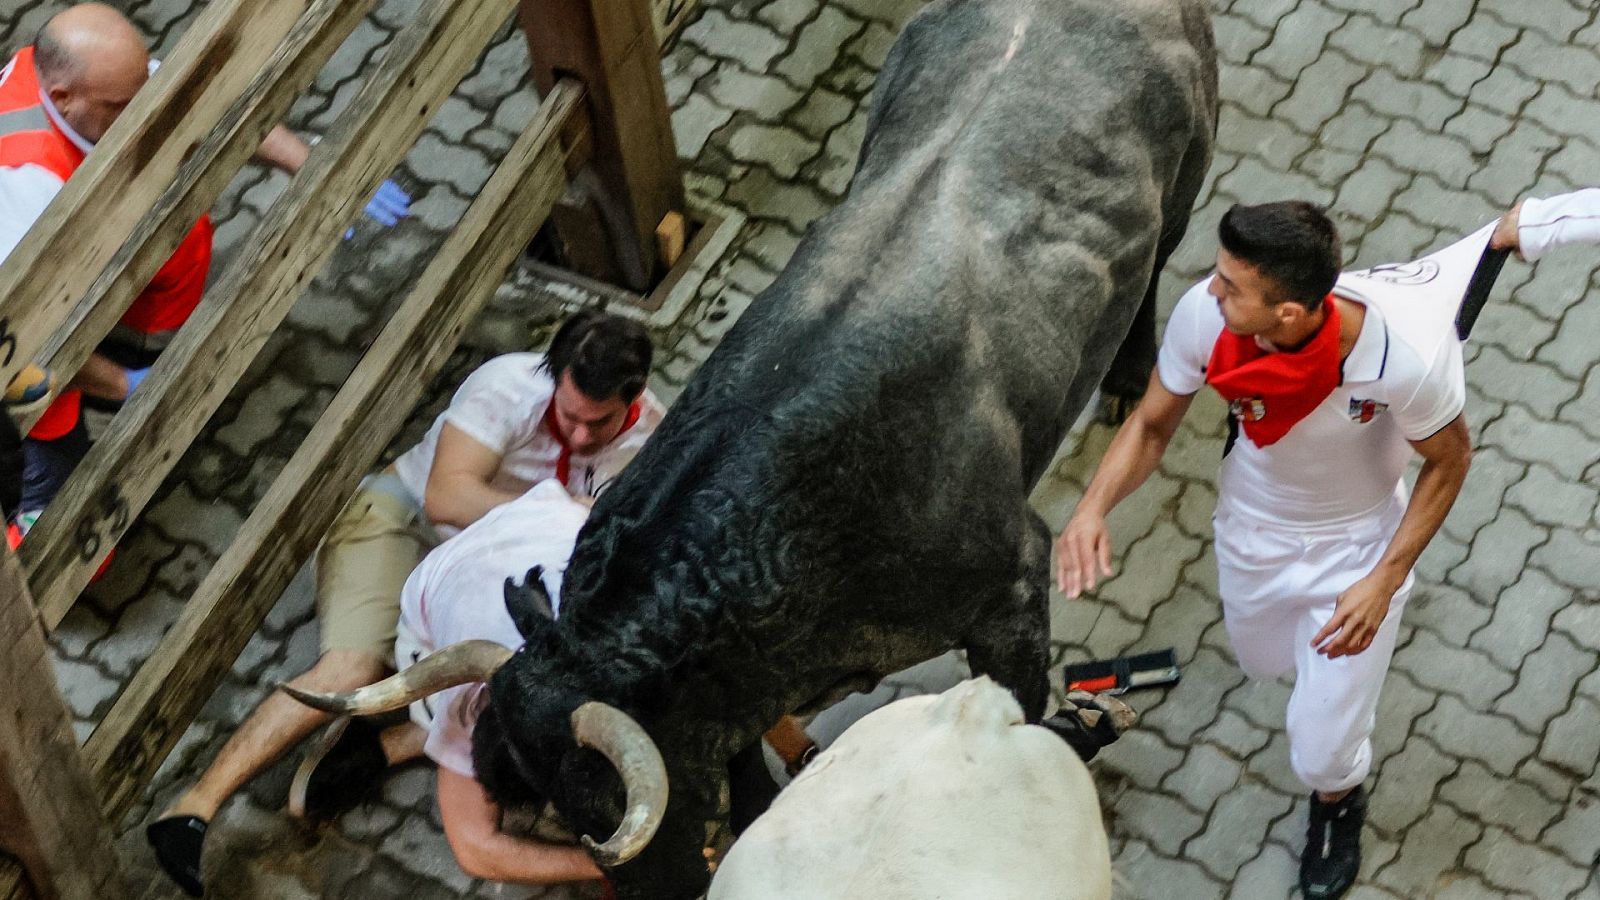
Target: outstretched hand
1358, 613
1083, 551
1505, 235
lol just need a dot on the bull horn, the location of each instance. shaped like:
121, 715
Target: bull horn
456, 664
622, 741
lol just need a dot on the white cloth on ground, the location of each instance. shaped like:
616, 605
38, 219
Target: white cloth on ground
457, 593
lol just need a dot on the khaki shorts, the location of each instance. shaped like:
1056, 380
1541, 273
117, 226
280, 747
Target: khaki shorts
362, 565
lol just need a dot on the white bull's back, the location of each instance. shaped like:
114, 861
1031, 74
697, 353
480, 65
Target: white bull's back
948, 796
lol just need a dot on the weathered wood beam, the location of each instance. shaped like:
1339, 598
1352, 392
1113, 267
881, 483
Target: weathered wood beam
613, 47
163, 164
171, 687
49, 815
290, 246
670, 16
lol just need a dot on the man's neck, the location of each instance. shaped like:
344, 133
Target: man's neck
1292, 340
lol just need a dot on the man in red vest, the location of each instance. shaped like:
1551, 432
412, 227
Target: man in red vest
57, 100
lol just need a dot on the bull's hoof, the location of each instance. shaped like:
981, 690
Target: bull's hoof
1115, 408
1088, 722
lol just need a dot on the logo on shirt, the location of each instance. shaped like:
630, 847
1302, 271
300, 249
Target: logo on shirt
1365, 411
1248, 409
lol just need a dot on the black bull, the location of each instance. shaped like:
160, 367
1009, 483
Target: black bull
841, 491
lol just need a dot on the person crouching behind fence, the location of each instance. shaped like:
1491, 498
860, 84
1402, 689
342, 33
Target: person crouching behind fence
576, 414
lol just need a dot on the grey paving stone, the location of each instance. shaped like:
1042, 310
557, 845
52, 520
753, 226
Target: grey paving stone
817, 46
1428, 849
1499, 553
1576, 835
1545, 682
752, 46
783, 150
1572, 742
1572, 559
1446, 669
786, 16
694, 122
1237, 828
1449, 612
1406, 785
1512, 804
1491, 739
1510, 864
1521, 619
1157, 876
1159, 819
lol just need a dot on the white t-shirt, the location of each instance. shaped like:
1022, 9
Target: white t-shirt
457, 593
1344, 461
1558, 221
502, 406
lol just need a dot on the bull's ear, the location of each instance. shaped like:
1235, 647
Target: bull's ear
529, 604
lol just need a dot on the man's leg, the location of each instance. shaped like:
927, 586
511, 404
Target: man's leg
46, 466
278, 724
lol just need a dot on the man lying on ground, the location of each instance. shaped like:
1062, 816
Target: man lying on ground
576, 414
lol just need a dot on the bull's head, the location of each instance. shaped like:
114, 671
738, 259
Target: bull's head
534, 719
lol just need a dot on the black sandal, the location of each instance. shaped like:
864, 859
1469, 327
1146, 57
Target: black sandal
177, 842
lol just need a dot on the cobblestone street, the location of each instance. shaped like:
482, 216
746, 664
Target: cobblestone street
1415, 121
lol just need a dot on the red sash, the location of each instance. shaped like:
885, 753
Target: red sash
564, 461
1268, 393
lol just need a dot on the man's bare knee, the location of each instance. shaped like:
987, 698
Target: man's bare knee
342, 670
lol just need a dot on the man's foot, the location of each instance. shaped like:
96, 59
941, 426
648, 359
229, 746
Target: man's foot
1332, 857
1088, 722
28, 391
342, 769
177, 841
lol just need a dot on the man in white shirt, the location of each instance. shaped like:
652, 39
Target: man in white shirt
457, 594
1315, 538
576, 414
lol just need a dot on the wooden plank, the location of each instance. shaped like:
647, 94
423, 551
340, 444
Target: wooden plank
295, 239
613, 47
191, 128
670, 16
51, 818
172, 686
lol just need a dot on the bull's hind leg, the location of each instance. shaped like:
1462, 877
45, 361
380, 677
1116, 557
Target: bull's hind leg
1130, 370
1011, 641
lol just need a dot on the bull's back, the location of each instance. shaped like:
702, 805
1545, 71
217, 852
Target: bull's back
948, 796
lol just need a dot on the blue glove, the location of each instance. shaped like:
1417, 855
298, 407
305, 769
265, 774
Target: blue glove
389, 205
135, 378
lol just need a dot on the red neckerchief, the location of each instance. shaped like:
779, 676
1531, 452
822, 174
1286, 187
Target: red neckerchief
564, 461
1269, 393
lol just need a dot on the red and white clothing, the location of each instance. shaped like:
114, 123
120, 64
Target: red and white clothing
505, 406
39, 151
1303, 519
457, 594
1558, 221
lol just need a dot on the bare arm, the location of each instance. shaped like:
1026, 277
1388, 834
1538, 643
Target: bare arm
100, 377
458, 491
283, 149
1446, 456
472, 826
1085, 545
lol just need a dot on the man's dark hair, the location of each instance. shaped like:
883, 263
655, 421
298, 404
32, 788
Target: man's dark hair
607, 356
52, 60
1294, 243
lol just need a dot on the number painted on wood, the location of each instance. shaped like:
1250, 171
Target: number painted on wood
8, 341
109, 518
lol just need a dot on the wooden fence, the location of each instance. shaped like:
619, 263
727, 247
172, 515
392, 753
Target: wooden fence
234, 74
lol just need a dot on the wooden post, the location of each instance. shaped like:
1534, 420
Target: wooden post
612, 46
49, 816
294, 241
213, 100
172, 686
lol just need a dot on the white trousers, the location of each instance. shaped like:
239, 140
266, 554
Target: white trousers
1278, 589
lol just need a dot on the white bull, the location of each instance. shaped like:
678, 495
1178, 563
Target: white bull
946, 796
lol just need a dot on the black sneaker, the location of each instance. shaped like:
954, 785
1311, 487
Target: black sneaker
1332, 857
344, 768
177, 842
